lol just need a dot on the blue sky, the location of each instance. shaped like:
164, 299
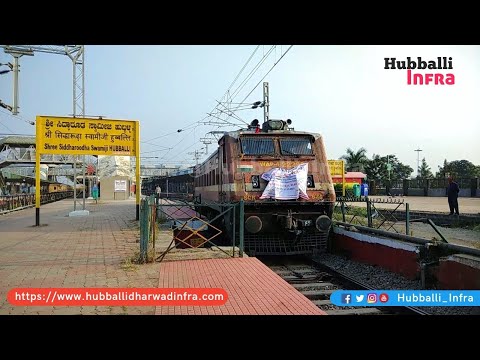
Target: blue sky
342, 92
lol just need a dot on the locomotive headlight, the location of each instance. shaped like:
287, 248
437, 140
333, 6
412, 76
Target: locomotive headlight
276, 124
255, 181
310, 182
323, 223
253, 224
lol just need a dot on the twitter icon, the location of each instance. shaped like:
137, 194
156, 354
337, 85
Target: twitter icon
359, 298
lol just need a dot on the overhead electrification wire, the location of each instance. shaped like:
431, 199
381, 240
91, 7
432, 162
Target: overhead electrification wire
275, 64
177, 144
243, 68
242, 84
16, 117
195, 123
6, 127
240, 72
252, 72
222, 109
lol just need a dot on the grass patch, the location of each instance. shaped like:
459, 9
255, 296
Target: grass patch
135, 260
130, 264
467, 226
351, 210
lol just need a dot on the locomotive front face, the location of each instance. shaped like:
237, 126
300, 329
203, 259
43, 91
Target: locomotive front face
285, 182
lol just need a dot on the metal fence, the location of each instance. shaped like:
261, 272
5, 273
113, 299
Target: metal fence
424, 187
147, 229
390, 214
368, 212
191, 225
20, 201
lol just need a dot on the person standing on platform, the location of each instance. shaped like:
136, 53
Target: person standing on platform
452, 193
95, 193
158, 192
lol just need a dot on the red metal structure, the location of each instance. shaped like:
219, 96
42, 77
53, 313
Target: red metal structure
350, 177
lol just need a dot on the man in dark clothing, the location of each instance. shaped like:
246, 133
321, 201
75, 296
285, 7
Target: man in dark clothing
452, 193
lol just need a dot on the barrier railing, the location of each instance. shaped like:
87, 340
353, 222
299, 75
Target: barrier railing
192, 225
364, 211
147, 228
20, 201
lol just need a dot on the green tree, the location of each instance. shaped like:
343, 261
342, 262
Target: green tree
377, 169
441, 170
355, 161
459, 169
425, 172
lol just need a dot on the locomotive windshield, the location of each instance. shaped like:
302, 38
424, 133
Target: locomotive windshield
297, 146
257, 146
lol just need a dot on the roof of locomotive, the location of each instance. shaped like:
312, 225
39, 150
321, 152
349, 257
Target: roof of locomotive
251, 132
236, 134
270, 127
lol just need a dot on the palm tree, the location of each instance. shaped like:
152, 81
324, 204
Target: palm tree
355, 161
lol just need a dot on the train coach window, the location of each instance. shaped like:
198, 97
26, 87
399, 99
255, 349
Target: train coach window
257, 146
300, 146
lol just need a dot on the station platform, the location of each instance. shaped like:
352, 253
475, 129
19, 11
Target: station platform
96, 251
252, 288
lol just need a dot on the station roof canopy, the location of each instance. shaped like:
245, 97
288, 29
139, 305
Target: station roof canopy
18, 140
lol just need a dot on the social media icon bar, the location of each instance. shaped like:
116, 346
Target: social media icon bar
405, 298
346, 298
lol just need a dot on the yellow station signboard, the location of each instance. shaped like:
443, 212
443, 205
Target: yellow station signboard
337, 167
86, 136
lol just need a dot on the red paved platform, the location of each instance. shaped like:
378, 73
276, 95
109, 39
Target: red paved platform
253, 289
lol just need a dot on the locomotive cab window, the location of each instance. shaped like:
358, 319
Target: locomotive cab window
257, 146
296, 146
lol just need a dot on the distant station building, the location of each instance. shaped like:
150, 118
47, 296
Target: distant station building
17, 168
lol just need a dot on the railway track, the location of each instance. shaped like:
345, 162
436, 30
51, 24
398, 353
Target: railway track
317, 282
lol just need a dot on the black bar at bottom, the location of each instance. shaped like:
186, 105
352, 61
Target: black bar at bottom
137, 216
37, 216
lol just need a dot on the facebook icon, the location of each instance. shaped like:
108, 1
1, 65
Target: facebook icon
346, 298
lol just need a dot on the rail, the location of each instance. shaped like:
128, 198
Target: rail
355, 284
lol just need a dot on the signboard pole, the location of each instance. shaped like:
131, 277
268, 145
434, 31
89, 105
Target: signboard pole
83, 173
137, 170
74, 182
37, 178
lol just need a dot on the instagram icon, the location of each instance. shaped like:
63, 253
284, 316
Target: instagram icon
371, 298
